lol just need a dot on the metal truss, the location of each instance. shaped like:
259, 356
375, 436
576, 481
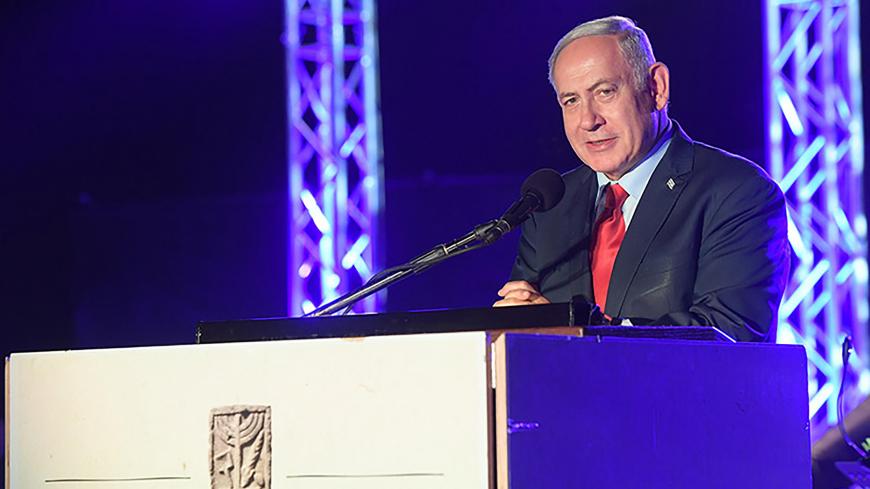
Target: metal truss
335, 172
815, 151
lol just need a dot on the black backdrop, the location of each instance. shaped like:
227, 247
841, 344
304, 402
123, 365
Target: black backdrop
142, 148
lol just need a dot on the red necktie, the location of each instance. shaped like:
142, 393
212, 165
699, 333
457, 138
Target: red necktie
607, 237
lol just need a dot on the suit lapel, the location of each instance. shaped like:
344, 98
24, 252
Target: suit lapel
652, 211
578, 215
583, 286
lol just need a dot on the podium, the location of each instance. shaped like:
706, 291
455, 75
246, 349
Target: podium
457, 409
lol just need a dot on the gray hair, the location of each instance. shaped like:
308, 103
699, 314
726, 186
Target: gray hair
633, 43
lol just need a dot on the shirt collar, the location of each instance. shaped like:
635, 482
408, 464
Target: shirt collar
634, 182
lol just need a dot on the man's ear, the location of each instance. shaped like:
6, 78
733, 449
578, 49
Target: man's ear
660, 85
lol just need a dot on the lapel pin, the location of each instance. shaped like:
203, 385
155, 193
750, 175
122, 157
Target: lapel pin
671, 183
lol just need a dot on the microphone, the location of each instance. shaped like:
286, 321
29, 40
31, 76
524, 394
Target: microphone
540, 192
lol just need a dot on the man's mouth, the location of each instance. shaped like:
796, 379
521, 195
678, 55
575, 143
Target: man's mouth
601, 144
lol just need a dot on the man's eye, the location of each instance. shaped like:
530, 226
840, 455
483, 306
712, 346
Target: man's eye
569, 101
606, 92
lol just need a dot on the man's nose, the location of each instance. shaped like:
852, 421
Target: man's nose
590, 119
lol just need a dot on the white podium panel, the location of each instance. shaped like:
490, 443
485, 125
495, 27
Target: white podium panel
381, 412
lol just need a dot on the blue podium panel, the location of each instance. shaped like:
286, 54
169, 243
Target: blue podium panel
633, 413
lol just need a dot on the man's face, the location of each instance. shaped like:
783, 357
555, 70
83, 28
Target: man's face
610, 125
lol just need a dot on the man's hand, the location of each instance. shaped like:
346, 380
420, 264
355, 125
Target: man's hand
519, 293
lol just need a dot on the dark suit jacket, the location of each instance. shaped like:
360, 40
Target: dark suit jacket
711, 251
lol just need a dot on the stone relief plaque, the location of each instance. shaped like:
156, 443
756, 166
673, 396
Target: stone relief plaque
241, 447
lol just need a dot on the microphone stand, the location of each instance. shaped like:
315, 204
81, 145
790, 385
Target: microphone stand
432, 257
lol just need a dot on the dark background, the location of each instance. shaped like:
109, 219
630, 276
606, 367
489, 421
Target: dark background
143, 148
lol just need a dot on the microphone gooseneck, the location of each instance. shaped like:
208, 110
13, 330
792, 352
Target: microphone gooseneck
541, 191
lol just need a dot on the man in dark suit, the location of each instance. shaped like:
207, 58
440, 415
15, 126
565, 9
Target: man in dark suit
654, 227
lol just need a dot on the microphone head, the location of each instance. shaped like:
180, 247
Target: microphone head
547, 185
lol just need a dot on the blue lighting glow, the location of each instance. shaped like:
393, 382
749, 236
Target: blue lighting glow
819, 304
801, 164
844, 273
815, 149
794, 238
353, 255
314, 211
860, 270
812, 186
334, 150
789, 111
805, 288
